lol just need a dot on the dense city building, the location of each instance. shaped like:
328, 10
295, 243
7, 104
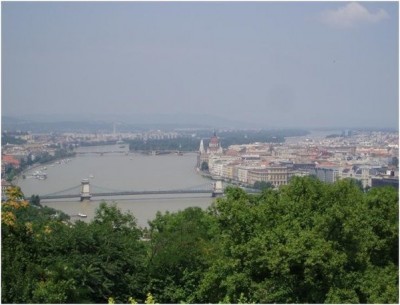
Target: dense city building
369, 157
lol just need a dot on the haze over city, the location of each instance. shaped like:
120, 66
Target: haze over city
200, 152
272, 64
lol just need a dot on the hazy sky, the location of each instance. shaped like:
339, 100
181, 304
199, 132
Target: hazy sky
282, 64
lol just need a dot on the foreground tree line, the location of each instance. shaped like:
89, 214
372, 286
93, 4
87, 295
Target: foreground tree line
307, 242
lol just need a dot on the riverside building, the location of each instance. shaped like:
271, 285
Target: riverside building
214, 148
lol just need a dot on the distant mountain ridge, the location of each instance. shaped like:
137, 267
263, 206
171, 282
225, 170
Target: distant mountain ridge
139, 122
102, 123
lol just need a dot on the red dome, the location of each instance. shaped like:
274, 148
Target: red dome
214, 140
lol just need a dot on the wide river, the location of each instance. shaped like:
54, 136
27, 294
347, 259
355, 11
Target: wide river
121, 172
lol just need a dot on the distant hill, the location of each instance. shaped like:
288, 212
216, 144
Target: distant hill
123, 123
138, 122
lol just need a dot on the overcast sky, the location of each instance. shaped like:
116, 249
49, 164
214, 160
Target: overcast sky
282, 64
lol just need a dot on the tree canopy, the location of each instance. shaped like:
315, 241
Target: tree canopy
307, 242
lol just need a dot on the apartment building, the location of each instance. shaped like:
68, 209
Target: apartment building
329, 175
277, 175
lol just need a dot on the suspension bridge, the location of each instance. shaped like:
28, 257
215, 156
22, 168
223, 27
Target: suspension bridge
86, 191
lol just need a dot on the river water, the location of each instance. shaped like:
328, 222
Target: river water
121, 171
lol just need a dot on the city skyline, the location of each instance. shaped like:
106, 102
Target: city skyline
267, 63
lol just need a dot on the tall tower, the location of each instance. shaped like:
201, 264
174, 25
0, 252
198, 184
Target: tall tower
201, 149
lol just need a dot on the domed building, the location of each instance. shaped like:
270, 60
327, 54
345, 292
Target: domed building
214, 147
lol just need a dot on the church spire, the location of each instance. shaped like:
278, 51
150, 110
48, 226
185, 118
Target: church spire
201, 149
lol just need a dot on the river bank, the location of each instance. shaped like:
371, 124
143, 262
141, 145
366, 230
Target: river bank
35, 166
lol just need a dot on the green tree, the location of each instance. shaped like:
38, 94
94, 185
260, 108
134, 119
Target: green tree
262, 185
115, 266
18, 270
383, 208
46, 259
308, 242
180, 246
204, 166
35, 200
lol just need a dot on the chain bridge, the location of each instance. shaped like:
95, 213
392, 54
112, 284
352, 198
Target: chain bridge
86, 191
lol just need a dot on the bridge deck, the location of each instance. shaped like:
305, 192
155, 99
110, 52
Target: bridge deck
127, 193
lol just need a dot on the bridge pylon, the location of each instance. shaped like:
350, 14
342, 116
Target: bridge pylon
218, 189
85, 190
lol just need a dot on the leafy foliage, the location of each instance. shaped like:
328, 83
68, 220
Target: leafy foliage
180, 246
50, 260
307, 242
261, 185
11, 139
204, 166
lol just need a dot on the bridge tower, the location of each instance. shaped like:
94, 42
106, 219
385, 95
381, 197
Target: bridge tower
218, 189
85, 190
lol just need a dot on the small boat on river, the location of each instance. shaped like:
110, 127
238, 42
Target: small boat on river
39, 175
